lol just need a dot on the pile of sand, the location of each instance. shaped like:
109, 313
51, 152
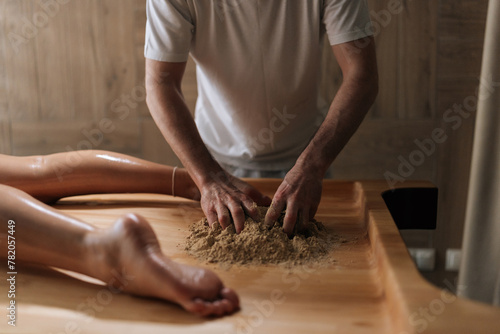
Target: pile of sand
257, 244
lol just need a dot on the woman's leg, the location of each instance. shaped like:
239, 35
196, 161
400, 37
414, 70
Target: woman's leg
126, 256
54, 176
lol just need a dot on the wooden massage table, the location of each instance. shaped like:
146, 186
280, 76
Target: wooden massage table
371, 287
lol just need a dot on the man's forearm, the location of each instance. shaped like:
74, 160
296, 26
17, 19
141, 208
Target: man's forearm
347, 111
174, 120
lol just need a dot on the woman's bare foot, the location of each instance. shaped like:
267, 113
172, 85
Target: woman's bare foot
129, 255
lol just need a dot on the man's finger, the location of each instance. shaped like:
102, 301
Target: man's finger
211, 218
223, 215
238, 216
274, 212
290, 219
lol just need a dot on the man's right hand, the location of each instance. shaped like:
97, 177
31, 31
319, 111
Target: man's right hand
226, 199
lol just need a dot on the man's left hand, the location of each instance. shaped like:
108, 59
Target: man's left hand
299, 194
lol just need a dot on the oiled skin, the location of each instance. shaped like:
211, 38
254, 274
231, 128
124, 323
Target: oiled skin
126, 256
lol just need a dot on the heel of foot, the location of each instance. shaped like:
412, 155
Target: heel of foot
135, 228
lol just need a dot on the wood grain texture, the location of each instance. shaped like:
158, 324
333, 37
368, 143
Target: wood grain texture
55, 87
55, 137
372, 287
460, 58
463, 10
84, 63
417, 61
5, 137
459, 54
4, 109
155, 147
21, 70
388, 54
454, 157
378, 146
118, 49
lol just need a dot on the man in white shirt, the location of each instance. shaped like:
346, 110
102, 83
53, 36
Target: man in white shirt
258, 113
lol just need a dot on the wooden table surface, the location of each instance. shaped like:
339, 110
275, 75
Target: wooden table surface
372, 286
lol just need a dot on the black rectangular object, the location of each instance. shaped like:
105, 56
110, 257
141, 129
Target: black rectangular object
413, 208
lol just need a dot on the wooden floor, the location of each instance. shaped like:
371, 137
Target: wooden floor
370, 286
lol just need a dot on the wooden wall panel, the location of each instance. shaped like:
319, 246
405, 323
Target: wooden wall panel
142, 108
3, 71
406, 36
117, 52
30, 138
463, 28
460, 58
154, 146
5, 137
386, 31
378, 146
465, 13
459, 62
140, 21
21, 70
417, 61
84, 66
55, 84
140, 31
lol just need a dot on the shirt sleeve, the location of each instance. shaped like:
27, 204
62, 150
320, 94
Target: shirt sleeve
346, 20
169, 30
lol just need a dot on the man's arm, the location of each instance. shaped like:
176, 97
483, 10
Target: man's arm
300, 191
223, 197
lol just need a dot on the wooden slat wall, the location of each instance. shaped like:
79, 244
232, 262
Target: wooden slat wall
85, 66
79, 64
462, 25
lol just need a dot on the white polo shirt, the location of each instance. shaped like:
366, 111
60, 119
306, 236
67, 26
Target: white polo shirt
258, 69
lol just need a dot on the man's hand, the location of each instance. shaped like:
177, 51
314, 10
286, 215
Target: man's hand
226, 198
300, 191
299, 194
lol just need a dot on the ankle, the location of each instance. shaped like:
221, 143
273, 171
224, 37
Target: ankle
101, 256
